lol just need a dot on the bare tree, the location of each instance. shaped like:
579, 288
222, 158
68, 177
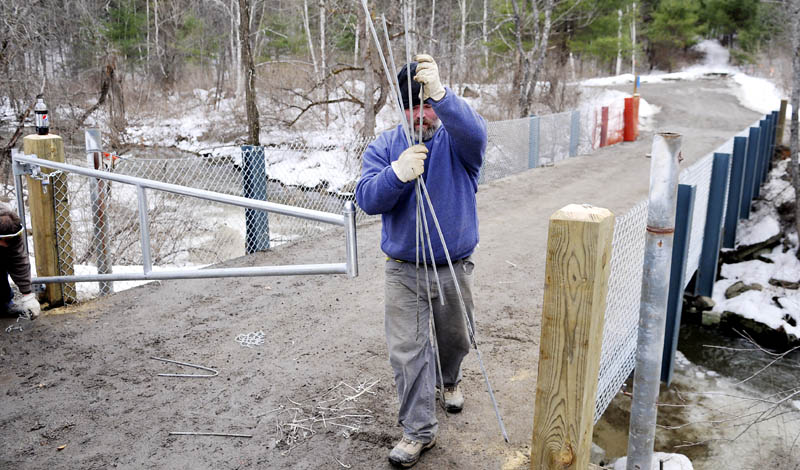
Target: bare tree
253, 126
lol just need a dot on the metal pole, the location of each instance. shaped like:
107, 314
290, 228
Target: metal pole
99, 220
351, 245
21, 205
144, 230
655, 286
287, 270
320, 216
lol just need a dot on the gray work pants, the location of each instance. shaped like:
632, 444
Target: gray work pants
410, 350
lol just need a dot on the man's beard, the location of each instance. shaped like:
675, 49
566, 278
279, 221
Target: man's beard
427, 132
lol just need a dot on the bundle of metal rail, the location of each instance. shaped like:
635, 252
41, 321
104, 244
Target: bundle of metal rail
423, 233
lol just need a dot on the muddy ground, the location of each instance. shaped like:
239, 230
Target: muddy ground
81, 376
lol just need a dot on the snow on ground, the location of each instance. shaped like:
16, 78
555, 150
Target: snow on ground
774, 306
758, 94
669, 461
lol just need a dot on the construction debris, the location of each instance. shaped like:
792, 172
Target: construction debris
256, 338
222, 434
333, 411
213, 373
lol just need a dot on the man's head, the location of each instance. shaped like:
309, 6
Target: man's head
430, 122
10, 225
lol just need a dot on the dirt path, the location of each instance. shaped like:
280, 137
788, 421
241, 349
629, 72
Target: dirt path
85, 379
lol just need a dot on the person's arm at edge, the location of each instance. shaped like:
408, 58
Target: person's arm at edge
19, 266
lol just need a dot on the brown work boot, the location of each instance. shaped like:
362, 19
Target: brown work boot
407, 452
453, 399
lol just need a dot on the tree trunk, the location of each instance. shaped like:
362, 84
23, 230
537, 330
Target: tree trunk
794, 143
485, 34
253, 126
323, 65
308, 37
619, 42
462, 41
369, 86
433, 21
236, 48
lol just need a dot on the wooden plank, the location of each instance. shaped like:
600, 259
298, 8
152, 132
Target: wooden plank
43, 214
576, 278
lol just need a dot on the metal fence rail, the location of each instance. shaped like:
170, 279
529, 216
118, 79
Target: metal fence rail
25, 165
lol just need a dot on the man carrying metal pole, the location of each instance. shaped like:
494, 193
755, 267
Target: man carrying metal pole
449, 159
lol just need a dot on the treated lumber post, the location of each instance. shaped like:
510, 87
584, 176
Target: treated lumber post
762, 156
680, 252
49, 209
709, 256
781, 123
735, 199
576, 278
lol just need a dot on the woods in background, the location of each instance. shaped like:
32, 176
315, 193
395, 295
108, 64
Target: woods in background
312, 53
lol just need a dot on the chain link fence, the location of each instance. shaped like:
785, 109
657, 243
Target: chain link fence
98, 226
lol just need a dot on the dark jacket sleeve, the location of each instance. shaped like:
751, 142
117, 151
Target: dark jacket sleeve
19, 266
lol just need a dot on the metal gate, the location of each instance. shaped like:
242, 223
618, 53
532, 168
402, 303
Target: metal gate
32, 166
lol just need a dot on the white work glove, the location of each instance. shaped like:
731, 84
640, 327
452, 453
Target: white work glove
411, 163
428, 75
30, 305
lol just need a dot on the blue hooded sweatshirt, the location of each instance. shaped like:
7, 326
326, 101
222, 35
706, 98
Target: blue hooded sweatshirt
455, 156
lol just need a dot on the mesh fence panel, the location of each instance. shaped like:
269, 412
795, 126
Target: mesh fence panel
618, 355
508, 150
554, 132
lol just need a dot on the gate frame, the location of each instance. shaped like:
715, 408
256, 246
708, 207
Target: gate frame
28, 165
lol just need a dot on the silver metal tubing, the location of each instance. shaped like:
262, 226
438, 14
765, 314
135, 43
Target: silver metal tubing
144, 229
431, 321
351, 245
655, 288
428, 235
408, 71
470, 328
394, 80
213, 373
383, 59
326, 217
288, 270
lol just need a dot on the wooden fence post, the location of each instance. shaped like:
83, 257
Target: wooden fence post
576, 282
50, 220
781, 123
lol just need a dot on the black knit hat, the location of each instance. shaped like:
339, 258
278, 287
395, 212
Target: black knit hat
402, 78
